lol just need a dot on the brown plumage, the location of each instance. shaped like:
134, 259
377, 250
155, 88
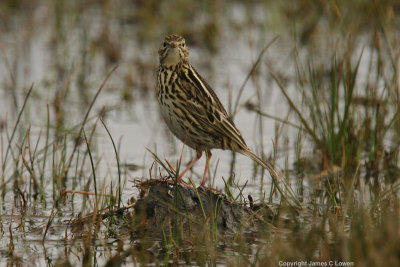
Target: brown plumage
192, 110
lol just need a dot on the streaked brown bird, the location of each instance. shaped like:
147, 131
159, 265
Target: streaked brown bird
192, 110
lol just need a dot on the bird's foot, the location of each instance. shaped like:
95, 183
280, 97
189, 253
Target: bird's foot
181, 182
206, 188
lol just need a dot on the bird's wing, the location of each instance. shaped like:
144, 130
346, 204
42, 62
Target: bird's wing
207, 110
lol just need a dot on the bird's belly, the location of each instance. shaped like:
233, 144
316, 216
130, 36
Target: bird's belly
175, 122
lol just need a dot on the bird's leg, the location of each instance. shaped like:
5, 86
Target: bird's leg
208, 156
203, 182
190, 165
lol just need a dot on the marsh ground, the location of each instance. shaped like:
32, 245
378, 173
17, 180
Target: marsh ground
322, 104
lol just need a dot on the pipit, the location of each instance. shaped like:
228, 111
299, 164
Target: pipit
192, 110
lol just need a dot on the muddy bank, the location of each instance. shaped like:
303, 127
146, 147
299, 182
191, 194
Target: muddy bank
164, 208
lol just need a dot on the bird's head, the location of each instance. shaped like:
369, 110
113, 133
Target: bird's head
173, 51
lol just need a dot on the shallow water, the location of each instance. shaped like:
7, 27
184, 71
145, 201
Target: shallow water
137, 125
73, 62
33, 55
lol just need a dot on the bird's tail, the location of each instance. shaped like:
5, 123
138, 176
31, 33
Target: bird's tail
267, 165
289, 193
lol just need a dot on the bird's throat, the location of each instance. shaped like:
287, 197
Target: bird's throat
172, 58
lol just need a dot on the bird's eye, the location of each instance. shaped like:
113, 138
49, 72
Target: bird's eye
182, 44
164, 44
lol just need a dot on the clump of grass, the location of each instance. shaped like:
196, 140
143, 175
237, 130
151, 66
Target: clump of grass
362, 237
329, 125
347, 118
197, 228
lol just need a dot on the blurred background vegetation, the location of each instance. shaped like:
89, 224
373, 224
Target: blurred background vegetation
335, 68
